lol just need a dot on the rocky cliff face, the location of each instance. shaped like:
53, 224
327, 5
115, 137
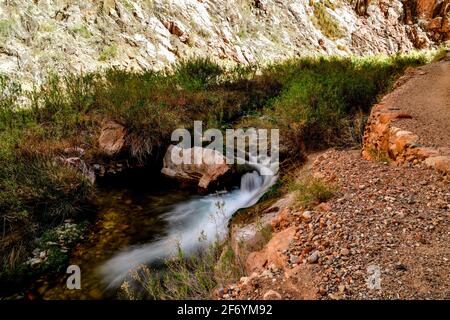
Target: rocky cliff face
44, 35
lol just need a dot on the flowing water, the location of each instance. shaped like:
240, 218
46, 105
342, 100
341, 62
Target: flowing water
145, 219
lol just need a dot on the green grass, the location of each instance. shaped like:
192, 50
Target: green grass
108, 52
324, 100
184, 278
324, 21
379, 156
5, 27
310, 192
82, 31
37, 193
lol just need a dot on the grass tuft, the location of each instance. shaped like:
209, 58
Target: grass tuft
312, 191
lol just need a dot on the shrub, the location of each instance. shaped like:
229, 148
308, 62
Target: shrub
182, 277
5, 27
108, 52
197, 73
322, 99
323, 20
36, 193
10, 92
311, 191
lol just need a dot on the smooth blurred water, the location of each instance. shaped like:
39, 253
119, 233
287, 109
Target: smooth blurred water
190, 226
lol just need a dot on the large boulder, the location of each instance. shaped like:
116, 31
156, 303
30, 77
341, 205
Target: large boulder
112, 138
212, 166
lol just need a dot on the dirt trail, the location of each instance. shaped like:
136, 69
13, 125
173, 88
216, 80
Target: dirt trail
426, 97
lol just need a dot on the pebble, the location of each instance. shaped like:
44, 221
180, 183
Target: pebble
272, 295
313, 257
245, 280
307, 215
267, 273
293, 259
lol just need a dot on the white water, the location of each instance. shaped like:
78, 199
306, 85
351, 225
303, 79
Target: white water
191, 224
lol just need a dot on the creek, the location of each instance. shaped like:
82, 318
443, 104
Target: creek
144, 218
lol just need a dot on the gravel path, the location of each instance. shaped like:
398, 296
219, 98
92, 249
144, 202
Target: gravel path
426, 98
385, 235
391, 220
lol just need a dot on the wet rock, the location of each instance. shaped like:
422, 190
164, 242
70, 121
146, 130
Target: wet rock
211, 167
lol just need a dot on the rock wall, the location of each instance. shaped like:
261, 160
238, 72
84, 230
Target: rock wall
387, 138
60, 35
382, 139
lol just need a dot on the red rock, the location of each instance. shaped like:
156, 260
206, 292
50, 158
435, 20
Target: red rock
440, 163
403, 138
423, 153
324, 206
112, 138
388, 116
424, 9
445, 27
279, 242
256, 261
435, 24
272, 253
282, 220
272, 295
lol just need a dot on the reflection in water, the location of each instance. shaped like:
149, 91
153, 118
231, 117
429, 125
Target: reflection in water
130, 212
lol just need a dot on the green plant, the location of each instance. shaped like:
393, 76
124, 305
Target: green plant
182, 277
82, 31
379, 156
5, 27
48, 26
312, 191
10, 92
108, 52
197, 73
323, 99
36, 193
326, 22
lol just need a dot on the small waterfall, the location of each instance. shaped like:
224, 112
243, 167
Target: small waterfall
192, 225
251, 181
